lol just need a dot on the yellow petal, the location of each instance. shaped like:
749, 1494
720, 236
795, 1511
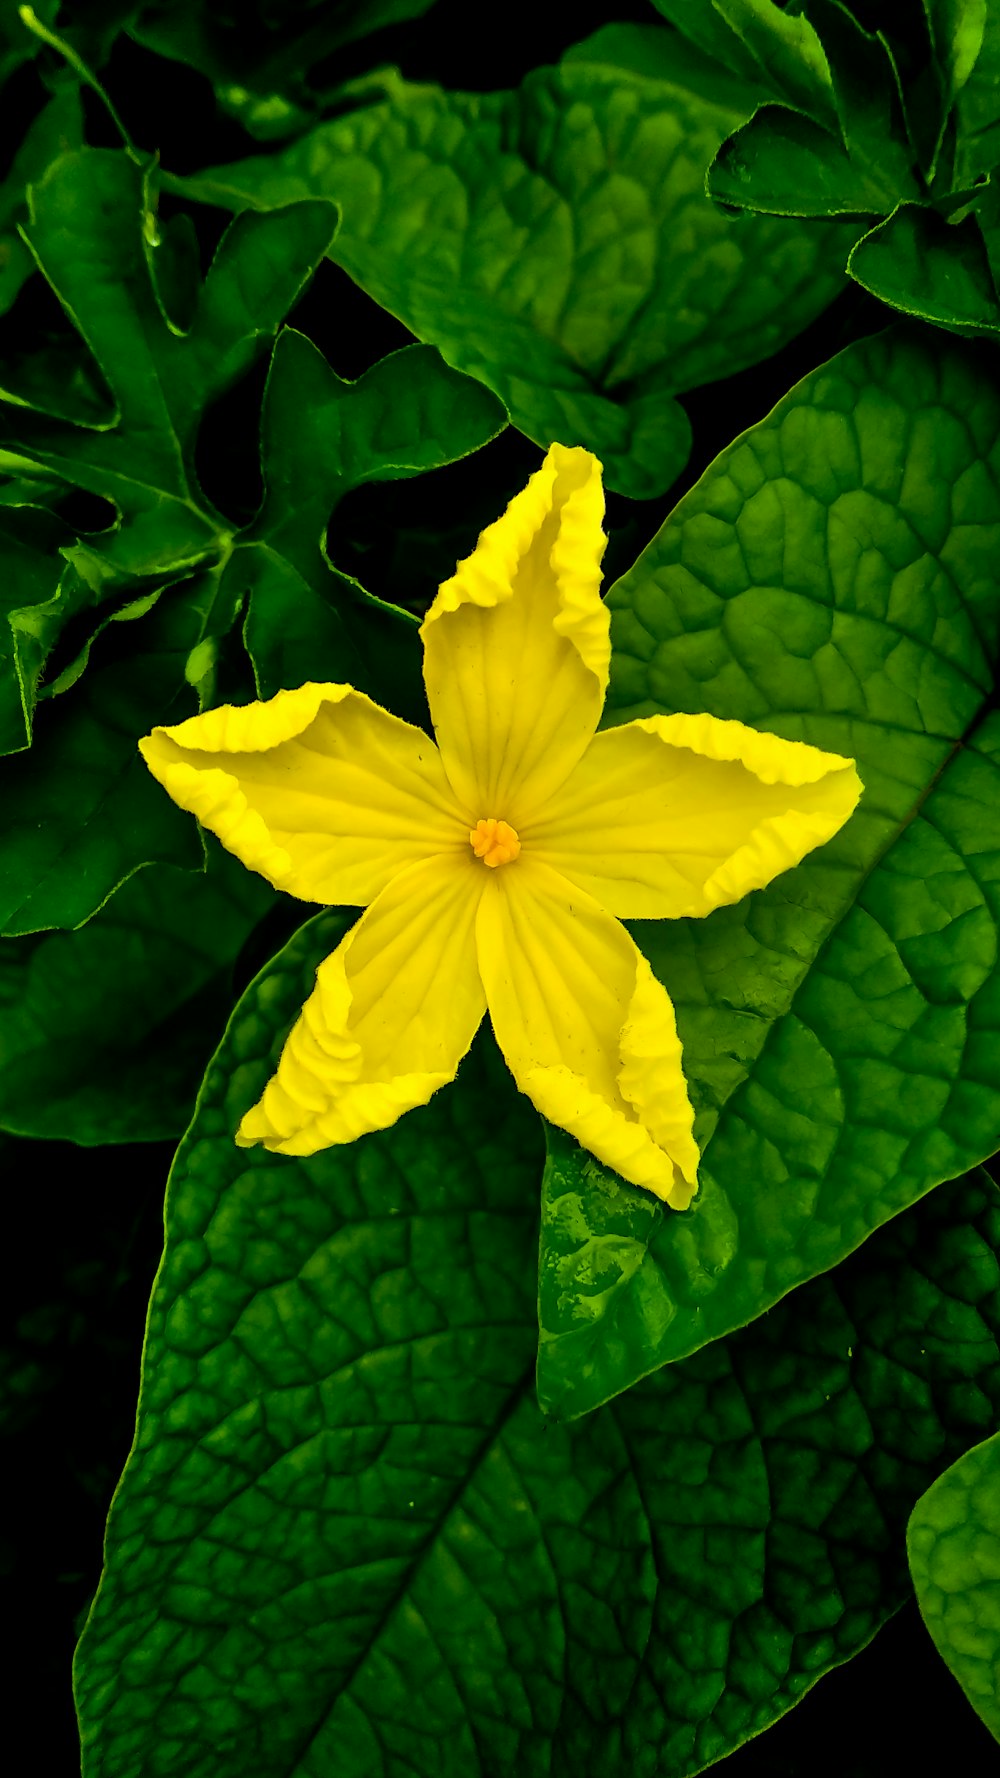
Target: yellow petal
394, 1009
676, 815
516, 646
587, 1031
323, 792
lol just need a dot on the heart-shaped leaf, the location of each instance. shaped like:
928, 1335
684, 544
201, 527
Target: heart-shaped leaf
831, 579
556, 243
347, 1541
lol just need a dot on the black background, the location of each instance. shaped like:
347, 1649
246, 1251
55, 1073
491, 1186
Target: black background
84, 1227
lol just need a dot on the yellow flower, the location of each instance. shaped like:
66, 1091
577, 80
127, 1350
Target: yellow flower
496, 867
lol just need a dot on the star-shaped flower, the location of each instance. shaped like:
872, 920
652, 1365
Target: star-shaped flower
496, 867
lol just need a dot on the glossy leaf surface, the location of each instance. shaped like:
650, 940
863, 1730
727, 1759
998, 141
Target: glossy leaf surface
556, 243
830, 579
346, 1540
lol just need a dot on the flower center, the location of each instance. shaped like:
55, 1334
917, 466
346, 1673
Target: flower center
494, 842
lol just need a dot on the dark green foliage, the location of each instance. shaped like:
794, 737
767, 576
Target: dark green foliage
392, 1507
347, 1540
556, 243
883, 111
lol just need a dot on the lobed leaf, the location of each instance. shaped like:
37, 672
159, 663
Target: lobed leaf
81, 812
556, 243
321, 437
346, 1540
830, 579
953, 1540
87, 233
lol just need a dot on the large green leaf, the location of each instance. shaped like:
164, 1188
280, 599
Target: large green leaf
173, 576
105, 1032
347, 1542
556, 243
832, 579
953, 1542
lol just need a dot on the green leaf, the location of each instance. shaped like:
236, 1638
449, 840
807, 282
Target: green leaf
831, 579
80, 811
346, 1540
783, 164
57, 129
320, 437
17, 44
789, 164
30, 595
786, 51
978, 107
81, 815
952, 1542
657, 52
956, 28
104, 1033
773, 49
556, 243
935, 270
87, 236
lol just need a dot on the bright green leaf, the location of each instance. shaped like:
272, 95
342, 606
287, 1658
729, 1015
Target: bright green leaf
768, 47
978, 107
346, 1540
953, 1543
786, 50
556, 243
831, 579
17, 43
956, 28
104, 1033
936, 270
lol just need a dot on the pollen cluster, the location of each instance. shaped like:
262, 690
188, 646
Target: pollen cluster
494, 842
